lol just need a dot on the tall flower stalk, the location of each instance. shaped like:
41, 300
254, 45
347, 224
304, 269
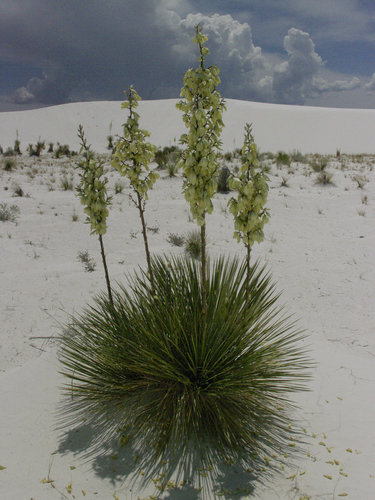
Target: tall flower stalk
252, 191
203, 107
93, 193
131, 157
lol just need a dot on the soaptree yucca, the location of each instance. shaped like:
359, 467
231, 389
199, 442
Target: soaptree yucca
92, 191
192, 386
131, 157
203, 107
248, 209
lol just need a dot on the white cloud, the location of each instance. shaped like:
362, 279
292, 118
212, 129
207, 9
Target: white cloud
322, 85
370, 85
293, 80
249, 73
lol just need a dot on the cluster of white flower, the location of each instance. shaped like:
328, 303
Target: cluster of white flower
132, 154
252, 191
202, 106
92, 188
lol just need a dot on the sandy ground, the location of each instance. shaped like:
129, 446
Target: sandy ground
320, 247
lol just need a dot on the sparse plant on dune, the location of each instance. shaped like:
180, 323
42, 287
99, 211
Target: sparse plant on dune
319, 164
87, 261
203, 107
193, 244
324, 178
360, 180
282, 158
222, 183
131, 157
93, 193
8, 212
9, 164
194, 388
284, 182
194, 359
251, 186
176, 239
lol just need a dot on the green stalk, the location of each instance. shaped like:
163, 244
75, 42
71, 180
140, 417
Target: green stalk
203, 268
105, 269
145, 240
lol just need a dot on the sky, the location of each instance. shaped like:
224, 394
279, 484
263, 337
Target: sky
304, 52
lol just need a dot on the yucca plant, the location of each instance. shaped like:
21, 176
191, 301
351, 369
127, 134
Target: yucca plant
203, 108
251, 186
92, 191
132, 156
192, 386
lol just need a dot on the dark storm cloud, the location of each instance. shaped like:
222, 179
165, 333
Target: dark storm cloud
90, 49
100, 46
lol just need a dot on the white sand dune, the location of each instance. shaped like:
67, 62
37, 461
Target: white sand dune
276, 127
319, 245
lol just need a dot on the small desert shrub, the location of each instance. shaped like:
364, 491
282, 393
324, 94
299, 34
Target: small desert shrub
172, 168
176, 239
360, 180
8, 152
284, 182
298, 157
110, 144
74, 216
319, 164
267, 155
119, 187
228, 156
154, 229
195, 387
282, 158
16, 147
169, 154
37, 150
67, 184
17, 190
364, 200
9, 164
63, 149
222, 182
323, 178
193, 244
8, 213
50, 147
88, 263
362, 213
237, 152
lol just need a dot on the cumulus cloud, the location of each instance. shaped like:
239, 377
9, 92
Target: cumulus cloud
370, 85
248, 73
322, 85
55, 86
293, 80
243, 67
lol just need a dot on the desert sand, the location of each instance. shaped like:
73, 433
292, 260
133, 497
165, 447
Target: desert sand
319, 245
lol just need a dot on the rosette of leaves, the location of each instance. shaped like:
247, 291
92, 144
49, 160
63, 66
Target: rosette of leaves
191, 388
92, 190
132, 156
248, 209
203, 107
